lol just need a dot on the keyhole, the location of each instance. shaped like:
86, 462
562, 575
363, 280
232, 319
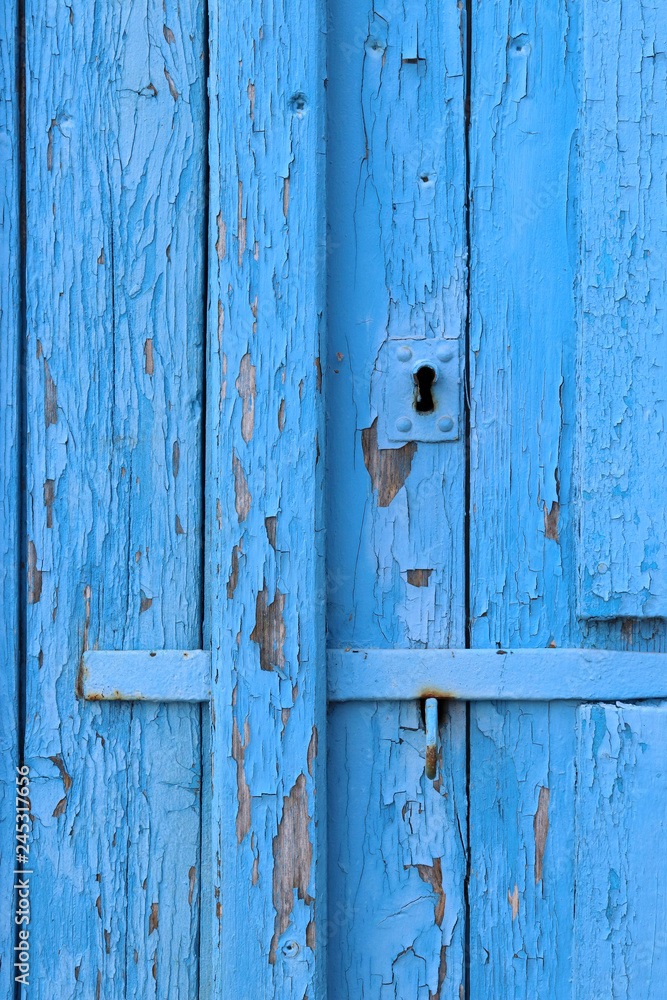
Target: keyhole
424, 379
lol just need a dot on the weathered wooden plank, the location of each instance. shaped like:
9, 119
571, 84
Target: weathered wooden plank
621, 878
10, 450
160, 675
395, 853
395, 545
264, 499
115, 189
524, 108
623, 293
492, 674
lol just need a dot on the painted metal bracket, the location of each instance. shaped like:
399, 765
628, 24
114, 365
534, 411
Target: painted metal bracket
417, 390
431, 718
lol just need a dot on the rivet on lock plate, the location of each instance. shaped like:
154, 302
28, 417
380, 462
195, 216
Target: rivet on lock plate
420, 396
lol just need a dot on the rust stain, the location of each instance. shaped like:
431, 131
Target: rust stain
243, 790
176, 458
148, 353
172, 88
269, 630
221, 243
389, 467
292, 857
49, 496
243, 497
245, 386
153, 918
419, 577
34, 576
513, 900
50, 397
438, 693
551, 521
541, 829
271, 524
432, 875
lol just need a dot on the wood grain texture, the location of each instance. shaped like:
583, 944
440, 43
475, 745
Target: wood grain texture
116, 155
621, 898
10, 452
622, 353
396, 268
264, 499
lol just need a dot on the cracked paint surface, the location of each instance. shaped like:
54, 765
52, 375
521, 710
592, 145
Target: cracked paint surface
264, 485
114, 344
566, 135
396, 267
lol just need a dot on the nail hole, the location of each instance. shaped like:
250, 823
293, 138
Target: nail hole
424, 379
298, 103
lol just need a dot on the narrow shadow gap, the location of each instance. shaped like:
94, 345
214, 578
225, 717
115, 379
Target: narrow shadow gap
466, 418
203, 629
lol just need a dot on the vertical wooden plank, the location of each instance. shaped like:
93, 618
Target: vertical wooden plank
395, 926
116, 167
568, 117
621, 899
522, 365
10, 434
264, 498
623, 345
396, 262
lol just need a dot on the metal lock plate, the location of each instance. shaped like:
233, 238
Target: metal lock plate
421, 397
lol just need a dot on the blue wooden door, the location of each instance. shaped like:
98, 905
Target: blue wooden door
449, 220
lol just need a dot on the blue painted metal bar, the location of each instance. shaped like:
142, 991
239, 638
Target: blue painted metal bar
160, 675
487, 674
400, 675
431, 713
